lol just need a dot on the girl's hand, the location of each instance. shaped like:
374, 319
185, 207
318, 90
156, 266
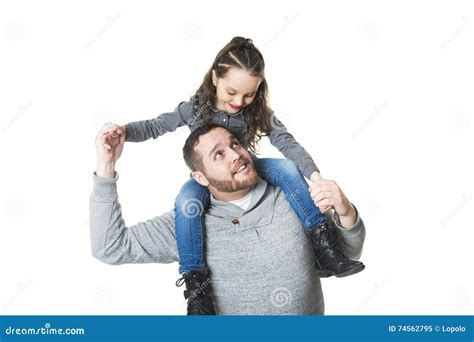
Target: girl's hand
109, 143
315, 178
114, 134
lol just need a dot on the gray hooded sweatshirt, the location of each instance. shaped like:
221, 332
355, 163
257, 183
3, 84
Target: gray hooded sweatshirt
260, 259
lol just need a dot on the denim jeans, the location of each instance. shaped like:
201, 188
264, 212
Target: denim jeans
194, 199
285, 174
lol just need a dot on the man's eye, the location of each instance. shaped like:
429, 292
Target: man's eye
235, 144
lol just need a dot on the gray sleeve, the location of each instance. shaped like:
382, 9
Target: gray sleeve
167, 122
351, 239
114, 243
290, 148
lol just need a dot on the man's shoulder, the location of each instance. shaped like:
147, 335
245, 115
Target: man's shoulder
275, 194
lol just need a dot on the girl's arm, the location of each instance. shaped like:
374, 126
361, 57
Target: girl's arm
167, 122
291, 149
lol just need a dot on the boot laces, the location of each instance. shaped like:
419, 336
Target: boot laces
180, 282
328, 238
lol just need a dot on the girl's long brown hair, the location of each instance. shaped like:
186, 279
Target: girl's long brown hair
240, 53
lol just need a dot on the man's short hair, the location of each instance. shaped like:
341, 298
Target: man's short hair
192, 158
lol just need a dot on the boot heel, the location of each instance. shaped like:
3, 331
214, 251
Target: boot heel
352, 271
325, 274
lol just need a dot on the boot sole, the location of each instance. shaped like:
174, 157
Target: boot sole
354, 270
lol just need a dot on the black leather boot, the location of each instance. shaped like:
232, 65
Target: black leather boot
328, 254
198, 286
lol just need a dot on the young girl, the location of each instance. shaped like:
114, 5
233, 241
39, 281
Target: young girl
234, 95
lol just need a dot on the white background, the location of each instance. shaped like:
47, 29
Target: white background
380, 93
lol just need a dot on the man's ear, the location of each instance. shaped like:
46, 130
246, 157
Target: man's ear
200, 178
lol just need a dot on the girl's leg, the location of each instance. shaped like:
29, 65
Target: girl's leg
285, 174
190, 204
329, 258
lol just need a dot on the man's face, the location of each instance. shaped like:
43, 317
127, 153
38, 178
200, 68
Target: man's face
227, 165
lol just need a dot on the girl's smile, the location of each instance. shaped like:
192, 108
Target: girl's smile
235, 90
234, 107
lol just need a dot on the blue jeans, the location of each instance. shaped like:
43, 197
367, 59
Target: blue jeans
194, 199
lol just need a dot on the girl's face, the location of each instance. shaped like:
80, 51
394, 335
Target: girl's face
235, 90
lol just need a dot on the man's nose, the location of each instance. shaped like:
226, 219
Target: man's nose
234, 156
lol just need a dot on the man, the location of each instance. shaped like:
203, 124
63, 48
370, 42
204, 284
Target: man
259, 256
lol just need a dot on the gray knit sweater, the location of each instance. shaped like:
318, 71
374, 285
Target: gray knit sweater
262, 265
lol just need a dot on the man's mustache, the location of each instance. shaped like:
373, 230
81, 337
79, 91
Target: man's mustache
244, 161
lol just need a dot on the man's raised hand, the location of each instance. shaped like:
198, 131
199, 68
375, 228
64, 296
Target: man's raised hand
109, 146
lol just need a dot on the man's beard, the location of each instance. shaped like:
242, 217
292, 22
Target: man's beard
234, 185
